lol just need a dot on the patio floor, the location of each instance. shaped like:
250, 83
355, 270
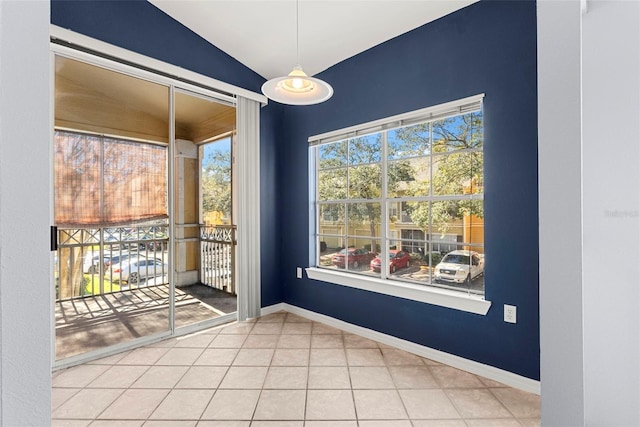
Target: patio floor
96, 322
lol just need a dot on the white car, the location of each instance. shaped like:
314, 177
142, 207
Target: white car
459, 266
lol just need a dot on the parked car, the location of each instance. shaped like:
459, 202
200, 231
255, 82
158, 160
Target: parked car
135, 270
460, 266
353, 257
397, 260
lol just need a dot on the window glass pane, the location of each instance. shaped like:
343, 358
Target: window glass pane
329, 247
415, 215
365, 149
332, 184
411, 141
457, 133
364, 219
458, 173
461, 269
409, 177
331, 219
365, 182
332, 155
459, 218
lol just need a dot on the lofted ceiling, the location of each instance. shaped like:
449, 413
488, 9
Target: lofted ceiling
261, 34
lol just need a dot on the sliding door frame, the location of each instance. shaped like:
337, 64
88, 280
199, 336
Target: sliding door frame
65, 43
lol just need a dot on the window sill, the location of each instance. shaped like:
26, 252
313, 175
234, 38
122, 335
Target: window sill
429, 295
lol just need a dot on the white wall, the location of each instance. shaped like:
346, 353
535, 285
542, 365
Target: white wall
25, 294
559, 171
590, 326
611, 194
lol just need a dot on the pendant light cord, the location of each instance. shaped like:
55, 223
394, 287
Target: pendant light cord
297, 33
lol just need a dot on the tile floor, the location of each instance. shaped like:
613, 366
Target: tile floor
286, 371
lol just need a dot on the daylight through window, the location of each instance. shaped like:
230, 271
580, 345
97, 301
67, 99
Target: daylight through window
404, 202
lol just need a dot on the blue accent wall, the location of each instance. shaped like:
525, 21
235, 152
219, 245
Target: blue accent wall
488, 47
139, 26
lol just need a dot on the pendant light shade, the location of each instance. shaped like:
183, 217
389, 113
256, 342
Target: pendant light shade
297, 88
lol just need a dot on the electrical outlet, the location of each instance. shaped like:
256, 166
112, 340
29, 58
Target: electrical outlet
299, 272
510, 313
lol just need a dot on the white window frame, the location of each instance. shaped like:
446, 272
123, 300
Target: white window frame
458, 300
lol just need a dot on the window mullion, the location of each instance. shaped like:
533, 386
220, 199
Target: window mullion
384, 214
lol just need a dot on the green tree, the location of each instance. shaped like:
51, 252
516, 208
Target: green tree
455, 172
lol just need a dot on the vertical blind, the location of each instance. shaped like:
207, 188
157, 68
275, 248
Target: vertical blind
102, 181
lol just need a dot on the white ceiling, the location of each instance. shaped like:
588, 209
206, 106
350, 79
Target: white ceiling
261, 34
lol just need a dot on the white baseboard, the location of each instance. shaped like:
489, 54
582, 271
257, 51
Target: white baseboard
486, 371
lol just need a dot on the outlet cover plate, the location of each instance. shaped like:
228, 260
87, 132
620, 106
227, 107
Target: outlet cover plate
510, 313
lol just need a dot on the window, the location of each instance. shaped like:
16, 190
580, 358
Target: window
409, 184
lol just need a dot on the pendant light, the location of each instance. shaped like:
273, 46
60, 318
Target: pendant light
297, 88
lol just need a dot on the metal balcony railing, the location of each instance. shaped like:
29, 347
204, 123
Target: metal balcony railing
217, 256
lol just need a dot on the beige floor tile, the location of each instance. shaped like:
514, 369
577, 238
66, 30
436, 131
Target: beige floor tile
134, 405
530, 422
379, 405
183, 405
326, 341
364, 357
278, 317
356, 341
87, 403
224, 424
180, 356
395, 357
281, 405
232, 405
286, 377
491, 383
61, 395
294, 341
290, 357
327, 357
247, 377
202, 377
261, 341
385, 423
109, 360
320, 328
477, 403
119, 376
294, 318
277, 423
160, 377
228, 341
172, 423
241, 328
297, 328
79, 376
169, 342
412, 377
194, 341
505, 422
143, 356
329, 377
370, 377
254, 357
266, 328
428, 404
217, 357
330, 424
116, 423
448, 377
330, 405
70, 423
520, 403
439, 423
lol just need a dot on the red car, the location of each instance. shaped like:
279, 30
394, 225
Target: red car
397, 259
355, 257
